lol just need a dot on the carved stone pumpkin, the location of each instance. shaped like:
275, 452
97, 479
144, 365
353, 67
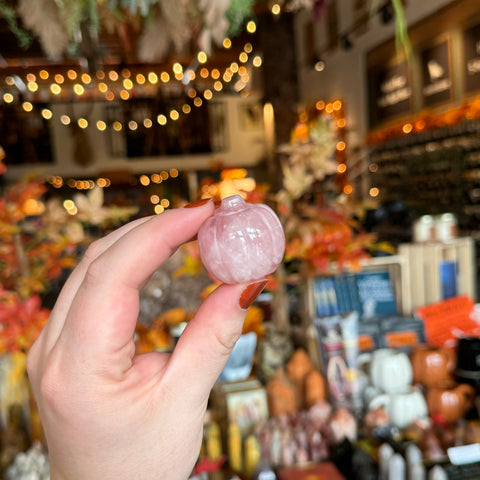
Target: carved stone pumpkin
241, 242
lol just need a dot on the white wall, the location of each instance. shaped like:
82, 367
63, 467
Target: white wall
344, 77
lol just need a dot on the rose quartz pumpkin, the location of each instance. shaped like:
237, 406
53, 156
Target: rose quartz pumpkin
241, 242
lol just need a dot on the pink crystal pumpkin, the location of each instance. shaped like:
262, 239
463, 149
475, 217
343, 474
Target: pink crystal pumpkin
241, 242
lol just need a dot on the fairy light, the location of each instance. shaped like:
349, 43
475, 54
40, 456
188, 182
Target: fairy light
78, 89
276, 9
161, 119
154, 199
7, 97
164, 175
192, 93
127, 83
341, 146
248, 47
140, 79
113, 75
32, 86
407, 128
215, 73
202, 57
158, 209
341, 123
72, 74
65, 119
147, 123
207, 94
173, 172
132, 125
337, 105
82, 122
243, 57
55, 88
190, 74
204, 72
347, 189
126, 73
186, 109
117, 126
124, 95
341, 168
165, 77
197, 101
234, 67
174, 115
86, 78
257, 61
47, 114
102, 87
165, 203
374, 192
177, 68
27, 106
59, 78
179, 76
320, 105
101, 126
144, 180
152, 78
218, 86
43, 74
242, 71
10, 81
156, 178
31, 77
110, 96
100, 74
251, 27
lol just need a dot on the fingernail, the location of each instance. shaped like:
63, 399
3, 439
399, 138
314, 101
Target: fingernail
251, 293
198, 203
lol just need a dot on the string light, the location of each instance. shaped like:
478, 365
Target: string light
110, 92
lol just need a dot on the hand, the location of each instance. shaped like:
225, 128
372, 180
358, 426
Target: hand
107, 413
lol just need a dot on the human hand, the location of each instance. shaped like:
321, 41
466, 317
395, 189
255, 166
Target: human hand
106, 412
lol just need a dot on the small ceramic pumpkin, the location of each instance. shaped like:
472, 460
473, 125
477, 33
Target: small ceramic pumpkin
241, 242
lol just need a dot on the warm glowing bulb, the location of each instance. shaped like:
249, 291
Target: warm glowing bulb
82, 123
161, 119
202, 57
101, 125
251, 27
257, 61
47, 114
55, 88
27, 106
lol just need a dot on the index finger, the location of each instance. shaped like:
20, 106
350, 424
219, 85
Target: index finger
102, 318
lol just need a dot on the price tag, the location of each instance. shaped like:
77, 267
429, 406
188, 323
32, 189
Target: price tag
464, 454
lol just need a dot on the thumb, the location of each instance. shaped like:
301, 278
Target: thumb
209, 338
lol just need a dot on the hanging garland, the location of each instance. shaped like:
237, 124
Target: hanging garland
73, 26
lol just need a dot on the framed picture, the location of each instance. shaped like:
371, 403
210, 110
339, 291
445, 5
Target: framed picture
247, 408
251, 115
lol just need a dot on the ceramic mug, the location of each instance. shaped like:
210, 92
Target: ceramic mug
390, 370
451, 403
432, 366
402, 408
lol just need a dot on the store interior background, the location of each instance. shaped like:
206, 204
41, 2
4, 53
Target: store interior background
317, 60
